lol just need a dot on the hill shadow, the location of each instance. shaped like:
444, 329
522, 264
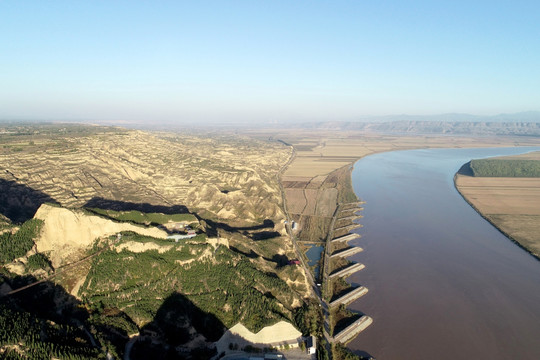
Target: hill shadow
177, 325
213, 227
343, 323
179, 330
48, 315
118, 205
344, 292
263, 235
43, 300
252, 254
280, 260
466, 170
20, 202
364, 355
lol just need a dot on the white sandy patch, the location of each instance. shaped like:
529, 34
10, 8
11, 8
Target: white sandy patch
215, 242
66, 231
138, 247
280, 332
77, 286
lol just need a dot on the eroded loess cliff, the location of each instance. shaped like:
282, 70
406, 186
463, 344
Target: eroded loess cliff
66, 233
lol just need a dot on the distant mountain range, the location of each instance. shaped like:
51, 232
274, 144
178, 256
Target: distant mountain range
526, 116
521, 124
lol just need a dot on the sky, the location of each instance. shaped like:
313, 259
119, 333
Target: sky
266, 61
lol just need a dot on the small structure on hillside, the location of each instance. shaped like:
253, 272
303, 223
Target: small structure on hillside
177, 237
311, 345
294, 262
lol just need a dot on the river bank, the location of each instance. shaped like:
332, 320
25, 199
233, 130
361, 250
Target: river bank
437, 273
320, 177
512, 205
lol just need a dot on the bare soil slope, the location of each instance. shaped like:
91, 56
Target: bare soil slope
225, 177
70, 232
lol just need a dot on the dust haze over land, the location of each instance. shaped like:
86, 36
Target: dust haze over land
522, 123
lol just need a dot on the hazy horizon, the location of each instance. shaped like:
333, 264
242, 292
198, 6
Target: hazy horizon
266, 62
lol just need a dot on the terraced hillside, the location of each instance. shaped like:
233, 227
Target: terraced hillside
105, 200
229, 178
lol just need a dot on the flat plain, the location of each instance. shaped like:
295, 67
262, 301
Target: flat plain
323, 159
511, 204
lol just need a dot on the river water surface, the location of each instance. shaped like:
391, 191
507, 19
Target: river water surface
443, 282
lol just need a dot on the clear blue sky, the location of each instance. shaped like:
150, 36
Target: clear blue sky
266, 60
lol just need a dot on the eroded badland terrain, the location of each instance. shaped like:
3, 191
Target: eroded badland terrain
168, 238
89, 209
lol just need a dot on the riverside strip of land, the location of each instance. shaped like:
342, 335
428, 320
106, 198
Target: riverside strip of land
512, 204
318, 179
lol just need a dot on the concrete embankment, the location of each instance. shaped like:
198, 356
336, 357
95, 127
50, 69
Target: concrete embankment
347, 271
347, 252
351, 217
348, 237
350, 296
349, 211
354, 329
348, 227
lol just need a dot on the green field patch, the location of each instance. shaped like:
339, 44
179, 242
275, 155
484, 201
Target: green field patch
505, 168
142, 218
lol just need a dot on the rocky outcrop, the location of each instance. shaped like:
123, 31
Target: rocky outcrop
66, 232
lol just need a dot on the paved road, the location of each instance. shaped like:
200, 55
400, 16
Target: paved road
316, 290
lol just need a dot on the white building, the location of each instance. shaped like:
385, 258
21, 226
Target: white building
311, 345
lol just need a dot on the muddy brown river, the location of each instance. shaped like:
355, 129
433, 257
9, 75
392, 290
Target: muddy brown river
443, 282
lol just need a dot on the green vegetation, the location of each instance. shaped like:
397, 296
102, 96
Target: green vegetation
344, 185
38, 261
26, 336
217, 281
322, 353
178, 286
27, 137
139, 217
505, 168
16, 245
5, 223
309, 318
340, 318
339, 288
341, 352
339, 263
